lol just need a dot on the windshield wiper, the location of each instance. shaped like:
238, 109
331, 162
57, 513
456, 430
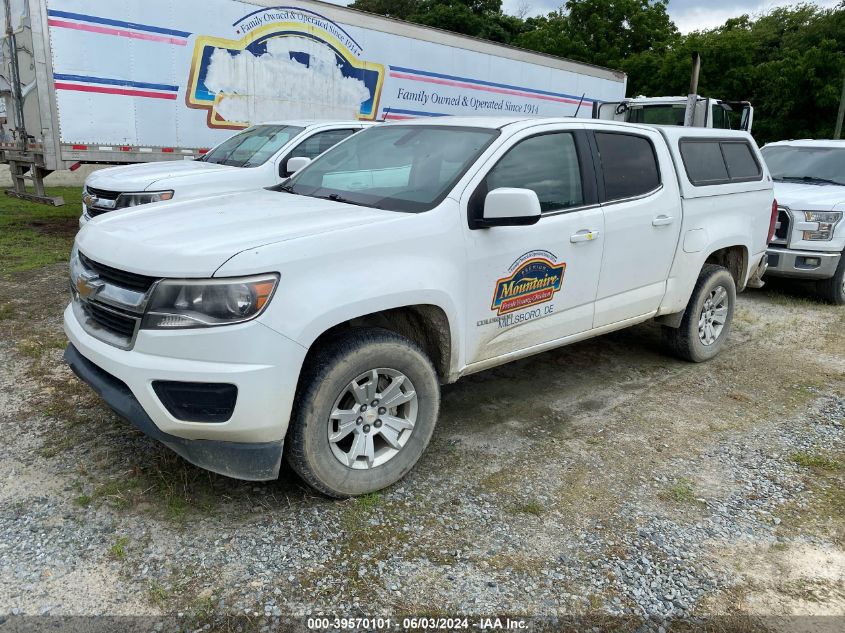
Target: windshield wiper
813, 179
285, 188
338, 198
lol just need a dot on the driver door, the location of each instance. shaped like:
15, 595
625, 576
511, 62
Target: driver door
529, 285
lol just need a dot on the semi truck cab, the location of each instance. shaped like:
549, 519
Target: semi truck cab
709, 113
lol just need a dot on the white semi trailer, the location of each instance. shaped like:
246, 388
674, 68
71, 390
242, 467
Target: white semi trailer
98, 81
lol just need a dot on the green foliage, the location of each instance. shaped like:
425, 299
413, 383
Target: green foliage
603, 32
788, 63
478, 18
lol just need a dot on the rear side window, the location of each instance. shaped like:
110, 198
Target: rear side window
629, 165
718, 162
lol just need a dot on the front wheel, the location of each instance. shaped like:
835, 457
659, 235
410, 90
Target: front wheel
365, 410
707, 319
833, 290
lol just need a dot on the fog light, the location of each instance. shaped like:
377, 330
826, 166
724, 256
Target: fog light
197, 401
812, 261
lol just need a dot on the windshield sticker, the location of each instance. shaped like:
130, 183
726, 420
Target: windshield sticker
534, 278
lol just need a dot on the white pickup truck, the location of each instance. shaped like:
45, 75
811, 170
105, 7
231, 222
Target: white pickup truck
810, 235
257, 157
323, 315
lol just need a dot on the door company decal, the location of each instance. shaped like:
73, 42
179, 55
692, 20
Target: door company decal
534, 278
286, 63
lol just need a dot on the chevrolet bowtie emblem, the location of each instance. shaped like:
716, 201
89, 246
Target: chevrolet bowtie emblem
87, 284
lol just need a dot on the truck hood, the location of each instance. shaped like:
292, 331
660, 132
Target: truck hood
810, 197
144, 176
195, 237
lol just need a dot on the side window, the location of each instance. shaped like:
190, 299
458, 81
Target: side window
717, 162
703, 162
742, 165
629, 165
315, 145
546, 164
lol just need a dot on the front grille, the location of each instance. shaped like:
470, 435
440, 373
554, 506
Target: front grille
112, 321
102, 193
782, 227
122, 278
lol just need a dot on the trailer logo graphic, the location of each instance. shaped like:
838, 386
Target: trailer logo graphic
534, 278
288, 63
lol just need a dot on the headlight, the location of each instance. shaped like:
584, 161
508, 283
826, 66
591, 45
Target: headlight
125, 200
827, 221
208, 302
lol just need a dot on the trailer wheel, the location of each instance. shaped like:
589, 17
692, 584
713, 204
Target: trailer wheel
833, 290
365, 410
707, 319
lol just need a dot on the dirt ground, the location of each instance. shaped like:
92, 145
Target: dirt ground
605, 480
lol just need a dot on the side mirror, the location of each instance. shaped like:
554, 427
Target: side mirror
508, 206
295, 164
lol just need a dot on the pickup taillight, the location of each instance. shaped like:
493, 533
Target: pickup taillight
773, 221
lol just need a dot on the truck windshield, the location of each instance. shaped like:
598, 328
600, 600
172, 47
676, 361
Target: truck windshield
252, 147
821, 165
408, 168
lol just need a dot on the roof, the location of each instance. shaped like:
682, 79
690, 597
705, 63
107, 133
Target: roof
498, 123
809, 142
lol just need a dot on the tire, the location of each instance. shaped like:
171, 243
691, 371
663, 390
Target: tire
833, 290
354, 465
688, 341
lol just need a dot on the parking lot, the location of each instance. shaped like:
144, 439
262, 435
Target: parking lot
599, 480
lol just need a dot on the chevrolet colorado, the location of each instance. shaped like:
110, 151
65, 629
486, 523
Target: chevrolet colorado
318, 319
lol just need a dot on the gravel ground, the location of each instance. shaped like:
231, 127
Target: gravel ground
603, 480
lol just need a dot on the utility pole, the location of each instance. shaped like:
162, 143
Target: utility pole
837, 132
17, 97
692, 97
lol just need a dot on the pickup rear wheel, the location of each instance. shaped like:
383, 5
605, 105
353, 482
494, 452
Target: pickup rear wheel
365, 410
833, 289
707, 319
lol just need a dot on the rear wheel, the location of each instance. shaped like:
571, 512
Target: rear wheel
365, 410
708, 316
833, 289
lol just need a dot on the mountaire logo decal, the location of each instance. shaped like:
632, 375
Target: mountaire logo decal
534, 279
283, 63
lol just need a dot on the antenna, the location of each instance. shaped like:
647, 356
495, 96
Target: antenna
384, 114
579, 104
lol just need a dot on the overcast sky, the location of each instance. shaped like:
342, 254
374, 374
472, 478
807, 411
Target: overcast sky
688, 15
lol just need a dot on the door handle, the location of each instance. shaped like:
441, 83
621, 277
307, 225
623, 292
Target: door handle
662, 220
584, 235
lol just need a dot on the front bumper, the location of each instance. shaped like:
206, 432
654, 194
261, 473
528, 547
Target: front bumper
784, 262
241, 460
261, 363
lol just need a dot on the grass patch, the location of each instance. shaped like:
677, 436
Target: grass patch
681, 492
83, 501
815, 460
157, 594
529, 507
35, 235
369, 501
118, 548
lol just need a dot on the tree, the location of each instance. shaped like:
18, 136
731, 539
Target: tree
603, 32
478, 18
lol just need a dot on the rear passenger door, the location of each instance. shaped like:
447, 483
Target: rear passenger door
642, 216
